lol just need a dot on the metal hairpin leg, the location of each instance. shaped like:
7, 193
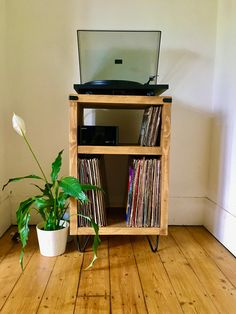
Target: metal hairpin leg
155, 247
81, 242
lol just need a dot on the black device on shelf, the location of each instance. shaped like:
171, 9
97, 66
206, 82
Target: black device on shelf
98, 135
119, 62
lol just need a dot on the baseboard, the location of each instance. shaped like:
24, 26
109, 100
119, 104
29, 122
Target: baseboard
5, 214
186, 210
221, 224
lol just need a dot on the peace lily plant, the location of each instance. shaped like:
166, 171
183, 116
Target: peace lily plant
52, 201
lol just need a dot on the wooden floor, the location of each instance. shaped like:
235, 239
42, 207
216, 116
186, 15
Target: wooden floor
191, 273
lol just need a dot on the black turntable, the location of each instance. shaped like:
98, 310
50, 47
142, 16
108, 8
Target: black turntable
119, 87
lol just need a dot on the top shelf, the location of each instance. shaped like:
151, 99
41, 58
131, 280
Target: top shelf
119, 101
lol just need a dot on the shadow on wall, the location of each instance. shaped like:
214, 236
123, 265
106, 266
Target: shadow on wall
190, 77
189, 150
177, 63
223, 162
220, 209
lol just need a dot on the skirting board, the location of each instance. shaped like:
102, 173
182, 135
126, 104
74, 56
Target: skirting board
186, 210
221, 224
5, 214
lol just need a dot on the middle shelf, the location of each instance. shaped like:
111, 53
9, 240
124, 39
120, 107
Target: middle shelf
120, 150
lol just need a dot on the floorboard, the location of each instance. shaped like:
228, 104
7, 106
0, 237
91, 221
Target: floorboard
218, 287
191, 273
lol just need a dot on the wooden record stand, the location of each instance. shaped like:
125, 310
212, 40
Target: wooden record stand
117, 225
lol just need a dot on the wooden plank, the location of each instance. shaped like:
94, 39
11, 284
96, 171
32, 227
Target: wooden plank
222, 257
93, 305
95, 281
23, 292
126, 290
73, 163
6, 243
164, 180
191, 294
28, 290
120, 101
10, 270
120, 246
158, 292
121, 230
60, 294
220, 290
119, 150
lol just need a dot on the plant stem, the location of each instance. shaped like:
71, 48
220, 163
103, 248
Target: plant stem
45, 178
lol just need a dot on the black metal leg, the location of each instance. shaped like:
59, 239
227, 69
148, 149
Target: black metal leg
81, 242
155, 247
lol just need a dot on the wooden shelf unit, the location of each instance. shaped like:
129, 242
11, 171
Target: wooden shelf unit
116, 223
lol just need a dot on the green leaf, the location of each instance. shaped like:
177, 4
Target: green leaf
92, 262
56, 167
72, 187
96, 239
88, 187
32, 176
43, 204
37, 186
62, 198
45, 191
23, 217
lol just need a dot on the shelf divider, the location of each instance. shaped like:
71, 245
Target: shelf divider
120, 150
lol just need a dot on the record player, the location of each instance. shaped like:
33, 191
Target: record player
119, 87
117, 62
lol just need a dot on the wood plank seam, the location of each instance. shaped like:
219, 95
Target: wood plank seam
213, 260
45, 288
145, 302
190, 261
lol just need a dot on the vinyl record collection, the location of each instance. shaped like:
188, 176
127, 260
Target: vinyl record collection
143, 202
149, 132
89, 173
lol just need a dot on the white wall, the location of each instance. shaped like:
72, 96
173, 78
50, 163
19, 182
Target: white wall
5, 210
43, 66
220, 217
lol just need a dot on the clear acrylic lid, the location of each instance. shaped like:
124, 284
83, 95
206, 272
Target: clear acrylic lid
118, 55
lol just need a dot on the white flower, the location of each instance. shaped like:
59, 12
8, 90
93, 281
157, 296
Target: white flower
18, 125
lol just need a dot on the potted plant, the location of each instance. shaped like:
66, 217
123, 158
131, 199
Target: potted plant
51, 203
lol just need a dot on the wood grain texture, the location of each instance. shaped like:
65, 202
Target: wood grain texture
5, 244
126, 102
126, 289
157, 289
28, 290
122, 229
120, 101
92, 305
120, 150
186, 275
191, 295
95, 281
223, 258
73, 158
218, 287
60, 293
10, 270
164, 181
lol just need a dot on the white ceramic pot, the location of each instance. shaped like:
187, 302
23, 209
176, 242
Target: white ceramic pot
52, 243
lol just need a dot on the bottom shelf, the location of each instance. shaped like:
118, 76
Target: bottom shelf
117, 226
